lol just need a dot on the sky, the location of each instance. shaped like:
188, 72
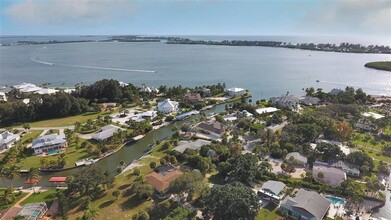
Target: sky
196, 17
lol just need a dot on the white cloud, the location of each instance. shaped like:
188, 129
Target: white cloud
66, 11
349, 16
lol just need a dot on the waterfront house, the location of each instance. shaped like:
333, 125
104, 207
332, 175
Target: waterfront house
206, 91
122, 84
3, 97
106, 132
167, 106
349, 169
336, 91
46, 91
330, 175
245, 114
308, 205
366, 125
272, 191
195, 145
212, 126
236, 91
299, 159
266, 110
285, 101
48, 143
372, 115
7, 139
309, 100
193, 97
147, 89
33, 211
162, 177
27, 87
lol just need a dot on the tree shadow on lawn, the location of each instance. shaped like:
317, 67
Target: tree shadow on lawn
132, 202
122, 187
106, 204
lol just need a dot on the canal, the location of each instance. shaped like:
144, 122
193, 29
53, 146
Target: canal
128, 153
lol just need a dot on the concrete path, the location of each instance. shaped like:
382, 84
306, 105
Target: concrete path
43, 133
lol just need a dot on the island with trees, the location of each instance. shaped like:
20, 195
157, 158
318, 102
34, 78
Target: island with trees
380, 65
342, 47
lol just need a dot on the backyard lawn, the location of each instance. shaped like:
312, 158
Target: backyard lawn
46, 196
269, 212
72, 155
68, 121
31, 135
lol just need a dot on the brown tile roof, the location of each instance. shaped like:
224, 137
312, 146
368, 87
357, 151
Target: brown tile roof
161, 181
215, 127
193, 97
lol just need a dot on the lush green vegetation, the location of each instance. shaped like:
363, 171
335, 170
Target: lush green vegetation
268, 213
9, 198
381, 65
47, 196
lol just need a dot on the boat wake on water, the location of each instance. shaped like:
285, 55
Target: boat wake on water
94, 67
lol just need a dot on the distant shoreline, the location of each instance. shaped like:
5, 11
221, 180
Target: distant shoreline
379, 65
326, 47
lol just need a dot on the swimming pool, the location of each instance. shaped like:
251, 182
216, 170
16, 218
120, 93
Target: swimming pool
53, 152
335, 200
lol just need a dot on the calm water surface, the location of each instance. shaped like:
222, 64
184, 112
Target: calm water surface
264, 71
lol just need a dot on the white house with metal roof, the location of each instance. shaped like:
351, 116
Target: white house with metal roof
235, 91
3, 97
167, 106
272, 190
106, 132
49, 143
7, 139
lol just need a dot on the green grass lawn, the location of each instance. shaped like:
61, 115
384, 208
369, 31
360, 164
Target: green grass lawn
125, 206
378, 156
359, 139
388, 130
71, 153
33, 134
53, 131
18, 196
268, 213
68, 121
47, 197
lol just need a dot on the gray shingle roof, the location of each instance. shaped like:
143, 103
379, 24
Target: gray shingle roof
274, 186
307, 203
332, 176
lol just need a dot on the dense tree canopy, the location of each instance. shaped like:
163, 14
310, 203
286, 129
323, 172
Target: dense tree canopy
231, 202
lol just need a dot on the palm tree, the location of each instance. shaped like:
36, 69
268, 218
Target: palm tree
8, 196
32, 175
12, 172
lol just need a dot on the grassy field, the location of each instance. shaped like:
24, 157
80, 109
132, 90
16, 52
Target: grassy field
268, 213
68, 121
380, 65
72, 155
388, 130
18, 196
125, 206
371, 143
33, 134
47, 197
378, 156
